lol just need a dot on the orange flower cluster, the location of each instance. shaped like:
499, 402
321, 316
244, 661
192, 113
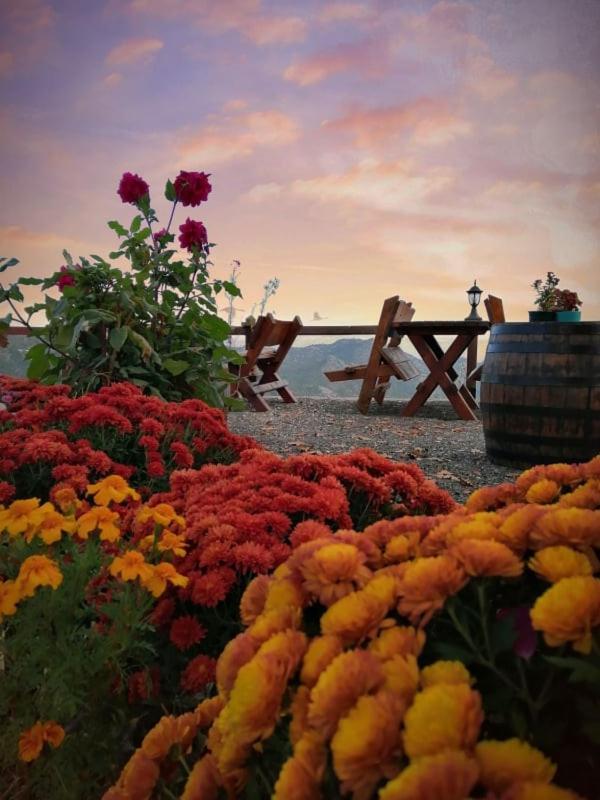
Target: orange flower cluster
31, 741
359, 711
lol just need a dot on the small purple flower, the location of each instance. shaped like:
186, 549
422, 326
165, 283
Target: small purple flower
526, 642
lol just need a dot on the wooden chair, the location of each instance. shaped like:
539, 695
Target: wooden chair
495, 312
267, 345
387, 359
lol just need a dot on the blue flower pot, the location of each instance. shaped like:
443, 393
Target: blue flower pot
568, 316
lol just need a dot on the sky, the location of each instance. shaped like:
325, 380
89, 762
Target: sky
357, 150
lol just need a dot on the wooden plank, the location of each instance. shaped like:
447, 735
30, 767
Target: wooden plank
390, 306
356, 373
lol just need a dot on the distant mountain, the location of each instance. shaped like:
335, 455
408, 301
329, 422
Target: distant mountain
12, 357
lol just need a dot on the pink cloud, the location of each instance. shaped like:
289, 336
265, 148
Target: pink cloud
6, 63
30, 16
134, 50
341, 12
113, 79
232, 137
367, 57
27, 28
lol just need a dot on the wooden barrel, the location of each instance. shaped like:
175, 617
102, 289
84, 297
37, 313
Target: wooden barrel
540, 393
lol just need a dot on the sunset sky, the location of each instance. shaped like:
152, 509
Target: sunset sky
357, 149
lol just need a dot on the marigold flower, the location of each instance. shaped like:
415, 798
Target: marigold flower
31, 742
99, 518
426, 585
446, 776
568, 611
113, 488
399, 640
301, 775
334, 571
502, 764
52, 526
442, 717
543, 492
66, 499
20, 516
554, 563
254, 598
347, 677
198, 674
366, 744
161, 574
486, 558
9, 597
130, 566
185, 632
172, 542
203, 781
321, 652
161, 514
37, 571
535, 790
445, 672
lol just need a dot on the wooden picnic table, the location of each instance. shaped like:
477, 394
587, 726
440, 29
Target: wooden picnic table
440, 362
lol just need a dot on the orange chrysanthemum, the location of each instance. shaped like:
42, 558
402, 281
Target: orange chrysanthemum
569, 526
445, 672
347, 677
399, 640
585, 496
254, 599
481, 525
402, 547
501, 764
37, 571
131, 566
236, 653
487, 558
543, 492
99, 518
159, 740
354, 617
139, 777
426, 585
442, 717
554, 563
366, 744
271, 622
284, 592
401, 679
447, 776
321, 652
301, 775
334, 571
113, 488
516, 528
203, 781
568, 611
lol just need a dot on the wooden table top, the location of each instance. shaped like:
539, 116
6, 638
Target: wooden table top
442, 327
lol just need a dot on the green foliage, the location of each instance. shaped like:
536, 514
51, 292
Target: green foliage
153, 324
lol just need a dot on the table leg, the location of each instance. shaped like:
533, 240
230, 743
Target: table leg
471, 364
464, 390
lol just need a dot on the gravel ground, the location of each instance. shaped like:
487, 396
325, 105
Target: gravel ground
450, 451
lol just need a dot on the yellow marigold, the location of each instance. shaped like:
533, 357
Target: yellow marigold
442, 717
516, 528
542, 492
37, 571
481, 525
568, 611
354, 617
366, 745
271, 622
32, 741
503, 763
160, 575
161, 514
554, 563
402, 547
585, 496
487, 558
334, 571
53, 525
53, 734
139, 777
9, 597
172, 542
20, 516
204, 781
321, 652
113, 488
347, 677
66, 499
236, 653
447, 776
536, 790
399, 640
569, 526
254, 598
401, 679
427, 584
131, 566
301, 775
99, 518
445, 672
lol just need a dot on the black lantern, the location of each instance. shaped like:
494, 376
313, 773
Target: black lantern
474, 295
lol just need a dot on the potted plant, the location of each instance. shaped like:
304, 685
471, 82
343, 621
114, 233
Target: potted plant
555, 305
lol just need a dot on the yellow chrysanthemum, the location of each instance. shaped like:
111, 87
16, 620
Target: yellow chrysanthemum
284, 592
271, 622
445, 672
568, 611
204, 781
347, 677
585, 496
161, 574
21, 516
487, 558
442, 717
543, 492
398, 641
555, 563
9, 597
99, 518
448, 776
37, 571
502, 764
161, 514
301, 775
366, 744
299, 714
534, 790
426, 585
480, 525
236, 653
515, 529
321, 652
402, 548
254, 598
131, 566
569, 526
401, 679
354, 617
111, 489
51, 528
334, 571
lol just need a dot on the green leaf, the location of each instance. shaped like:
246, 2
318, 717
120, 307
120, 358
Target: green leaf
31, 281
6, 263
118, 337
118, 228
15, 293
67, 258
142, 344
232, 289
136, 223
175, 366
170, 192
215, 326
582, 670
453, 652
38, 361
115, 254
503, 635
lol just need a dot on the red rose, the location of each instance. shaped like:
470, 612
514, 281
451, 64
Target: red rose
192, 188
132, 188
193, 234
66, 279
